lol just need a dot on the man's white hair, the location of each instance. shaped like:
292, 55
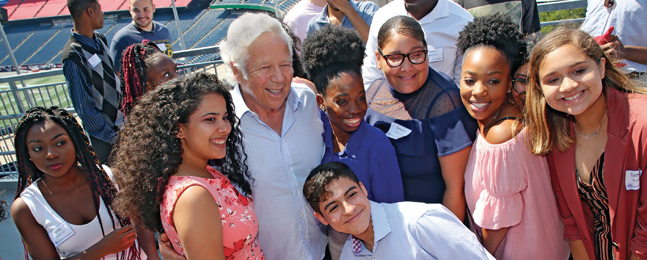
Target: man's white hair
241, 34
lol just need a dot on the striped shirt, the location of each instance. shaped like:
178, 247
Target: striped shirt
84, 104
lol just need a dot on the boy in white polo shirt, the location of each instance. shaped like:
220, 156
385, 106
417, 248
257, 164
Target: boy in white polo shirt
404, 230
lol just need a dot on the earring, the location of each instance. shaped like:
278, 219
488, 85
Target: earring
321, 106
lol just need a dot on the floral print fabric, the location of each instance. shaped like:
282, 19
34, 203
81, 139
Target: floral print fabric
239, 223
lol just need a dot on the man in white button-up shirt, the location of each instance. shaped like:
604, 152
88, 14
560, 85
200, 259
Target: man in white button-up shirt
281, 135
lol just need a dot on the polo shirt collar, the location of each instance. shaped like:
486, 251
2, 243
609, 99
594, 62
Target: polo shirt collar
355, 140
440, 11
381, 228
241, 108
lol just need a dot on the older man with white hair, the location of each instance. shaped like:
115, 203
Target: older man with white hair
281, 134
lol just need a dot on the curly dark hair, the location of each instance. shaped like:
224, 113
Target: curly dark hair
496, 31
136, 60
3, 209
529, 43
148, 151
330, 51
314, 188
94, 174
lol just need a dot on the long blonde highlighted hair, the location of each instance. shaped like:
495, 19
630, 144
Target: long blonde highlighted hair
547, 128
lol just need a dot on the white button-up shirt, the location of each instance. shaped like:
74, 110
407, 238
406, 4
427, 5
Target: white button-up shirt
280, 165
628, 18
441, 27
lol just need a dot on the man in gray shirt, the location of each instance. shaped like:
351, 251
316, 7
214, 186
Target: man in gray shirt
142, 27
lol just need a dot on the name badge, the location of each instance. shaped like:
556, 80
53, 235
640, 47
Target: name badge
397, 131
437, 54
94, 60
632, 179
61, 233
161, 46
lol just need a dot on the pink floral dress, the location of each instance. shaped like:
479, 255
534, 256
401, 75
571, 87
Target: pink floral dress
239, 223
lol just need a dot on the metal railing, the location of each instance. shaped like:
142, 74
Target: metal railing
19, 97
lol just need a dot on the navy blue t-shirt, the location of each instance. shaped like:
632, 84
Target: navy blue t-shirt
431, 122
131, 34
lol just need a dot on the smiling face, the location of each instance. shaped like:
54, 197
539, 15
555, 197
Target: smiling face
51, 149
408, 77
570, 80
345, 103
269, 74
204, 136
142, 13
484, 82
161, 69
521, 84
348, 209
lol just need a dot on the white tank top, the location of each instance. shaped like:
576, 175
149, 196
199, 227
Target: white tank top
69, 239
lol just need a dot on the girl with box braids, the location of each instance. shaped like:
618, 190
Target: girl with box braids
145, 67
43, 159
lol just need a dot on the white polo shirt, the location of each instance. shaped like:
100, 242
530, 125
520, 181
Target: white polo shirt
441, 27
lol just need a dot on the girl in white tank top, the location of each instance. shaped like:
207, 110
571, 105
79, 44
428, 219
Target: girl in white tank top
63, 205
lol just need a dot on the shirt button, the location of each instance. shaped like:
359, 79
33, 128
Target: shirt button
301, 215
296, 193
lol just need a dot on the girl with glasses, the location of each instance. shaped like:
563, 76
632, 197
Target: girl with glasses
507, 188
420, 110
520, 77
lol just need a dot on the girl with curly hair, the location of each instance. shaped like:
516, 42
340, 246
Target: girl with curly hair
64, 200
589, 119
144, 68
506, 187
162, 166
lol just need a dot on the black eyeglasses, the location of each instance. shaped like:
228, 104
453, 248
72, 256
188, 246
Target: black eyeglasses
395, 60
520, 84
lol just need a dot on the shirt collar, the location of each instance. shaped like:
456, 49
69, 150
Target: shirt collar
356, 139
381, 228
85, 40
323, 16
241, 107
440, 11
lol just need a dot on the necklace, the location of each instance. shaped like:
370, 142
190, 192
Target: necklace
50, 191
497, 114
587, 137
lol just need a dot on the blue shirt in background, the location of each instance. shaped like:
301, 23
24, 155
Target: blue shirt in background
372, 158
131, 34
365, 9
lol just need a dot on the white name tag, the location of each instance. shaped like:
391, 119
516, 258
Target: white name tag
161, 46
396, 131
437, 54
61, 233
632, 179
94, 60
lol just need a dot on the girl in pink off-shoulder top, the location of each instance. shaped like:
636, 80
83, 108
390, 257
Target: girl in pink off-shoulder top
507, 189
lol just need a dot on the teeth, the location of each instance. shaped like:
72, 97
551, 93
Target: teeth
273, 91
574, 97
480, 105
219, 142
351, 121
